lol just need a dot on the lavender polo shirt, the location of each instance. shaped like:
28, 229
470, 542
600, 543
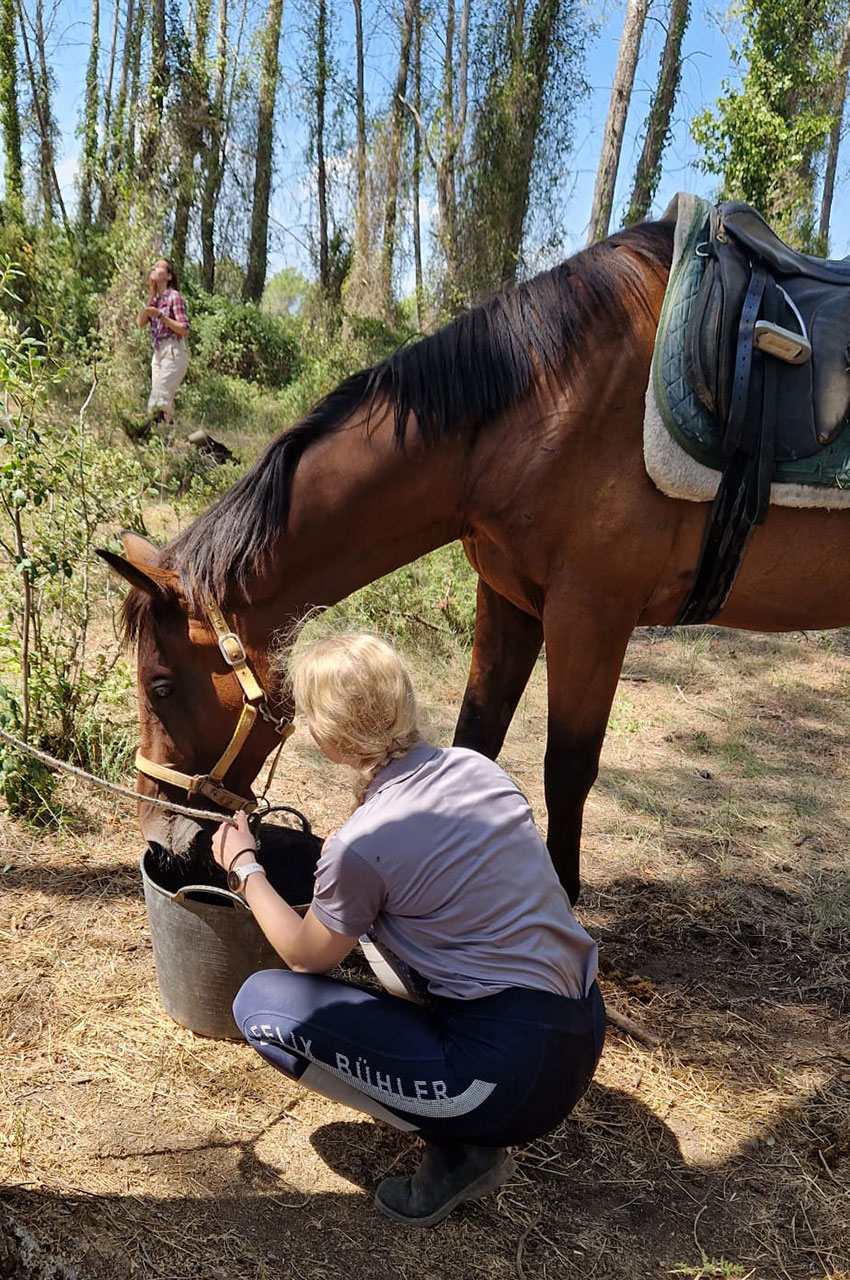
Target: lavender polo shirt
443, 864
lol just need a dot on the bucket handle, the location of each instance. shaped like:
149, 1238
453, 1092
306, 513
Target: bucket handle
186, 889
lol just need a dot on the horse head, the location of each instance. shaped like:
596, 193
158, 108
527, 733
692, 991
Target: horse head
205, 688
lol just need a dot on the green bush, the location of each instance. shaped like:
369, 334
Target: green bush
238, 339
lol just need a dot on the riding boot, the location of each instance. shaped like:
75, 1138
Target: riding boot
450, 1173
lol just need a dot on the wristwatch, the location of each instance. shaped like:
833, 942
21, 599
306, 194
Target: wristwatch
237, 877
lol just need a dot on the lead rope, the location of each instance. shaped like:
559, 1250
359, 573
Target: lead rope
205, 815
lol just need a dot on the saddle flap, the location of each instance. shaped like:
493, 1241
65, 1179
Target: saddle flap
812, 402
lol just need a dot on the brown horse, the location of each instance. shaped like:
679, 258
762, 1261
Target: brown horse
518, 429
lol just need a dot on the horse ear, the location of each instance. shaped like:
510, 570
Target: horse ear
149, 578
138, 549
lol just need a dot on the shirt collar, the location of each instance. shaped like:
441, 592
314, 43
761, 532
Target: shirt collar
403, 767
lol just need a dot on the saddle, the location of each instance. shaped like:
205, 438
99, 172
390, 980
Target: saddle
766, 351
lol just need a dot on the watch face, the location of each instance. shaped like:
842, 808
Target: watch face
234, 882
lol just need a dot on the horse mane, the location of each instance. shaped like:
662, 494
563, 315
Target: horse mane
453, 383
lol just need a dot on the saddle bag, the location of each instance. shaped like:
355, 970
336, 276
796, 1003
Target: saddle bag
766, 352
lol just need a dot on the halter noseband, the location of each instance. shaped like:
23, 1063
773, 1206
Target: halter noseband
254, 704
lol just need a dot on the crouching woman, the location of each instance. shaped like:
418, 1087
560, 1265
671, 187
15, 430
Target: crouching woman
492, 1023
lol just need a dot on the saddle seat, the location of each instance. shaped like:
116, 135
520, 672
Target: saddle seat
766, 352
750, 229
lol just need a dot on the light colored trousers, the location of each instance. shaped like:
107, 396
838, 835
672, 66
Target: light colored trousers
169, 364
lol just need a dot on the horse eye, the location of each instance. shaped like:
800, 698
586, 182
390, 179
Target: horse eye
162, 688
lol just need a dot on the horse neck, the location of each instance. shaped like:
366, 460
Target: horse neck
361, 507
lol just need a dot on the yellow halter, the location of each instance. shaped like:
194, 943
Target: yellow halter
254, 704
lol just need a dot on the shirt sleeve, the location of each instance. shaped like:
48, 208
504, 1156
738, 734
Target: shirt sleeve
349, 892
179, 308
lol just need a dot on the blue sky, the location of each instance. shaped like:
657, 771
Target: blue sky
706, 63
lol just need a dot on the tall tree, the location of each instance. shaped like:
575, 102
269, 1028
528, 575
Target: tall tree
193, 116
764, 136
255, 275
648, 169
507, 124
43, 112
88, 160
838, 100
156, 90
445, 160
128, 164
9, 112
361, 236
618, 109
394, 159
41, 106
417, 169
213, 158
114, 126
321, 171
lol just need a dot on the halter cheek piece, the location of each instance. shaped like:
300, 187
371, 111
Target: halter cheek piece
254, 704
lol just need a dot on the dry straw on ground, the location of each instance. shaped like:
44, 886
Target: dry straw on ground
716, 880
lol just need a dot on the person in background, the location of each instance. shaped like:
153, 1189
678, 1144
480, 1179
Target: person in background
491, 1022
165, 312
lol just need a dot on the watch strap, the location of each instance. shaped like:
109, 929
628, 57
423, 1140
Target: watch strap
242, 873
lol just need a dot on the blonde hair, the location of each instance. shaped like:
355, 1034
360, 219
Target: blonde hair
356, 695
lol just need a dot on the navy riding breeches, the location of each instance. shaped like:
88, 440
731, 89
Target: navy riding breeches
496, 1071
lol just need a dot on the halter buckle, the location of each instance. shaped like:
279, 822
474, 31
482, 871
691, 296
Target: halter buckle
232, 648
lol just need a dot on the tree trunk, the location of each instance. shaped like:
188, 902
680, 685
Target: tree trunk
394, 161
529, 80
46, 146
213, 158
255, 276
129, 161
618, 108
88, 166
153, 131
9, 114
417, 171
842, 64
107, 93
114, 136
42, 118
648, 169
361, 239
193, 113
321, 174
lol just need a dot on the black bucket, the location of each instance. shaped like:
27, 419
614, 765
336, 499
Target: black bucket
205, 939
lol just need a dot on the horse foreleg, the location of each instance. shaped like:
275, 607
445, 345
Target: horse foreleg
504, 650
586, 642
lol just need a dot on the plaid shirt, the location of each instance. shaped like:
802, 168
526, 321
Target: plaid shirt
171, 304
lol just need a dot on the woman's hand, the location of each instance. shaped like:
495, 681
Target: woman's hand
230, 841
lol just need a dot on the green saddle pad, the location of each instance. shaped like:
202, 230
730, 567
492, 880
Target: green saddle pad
688, 421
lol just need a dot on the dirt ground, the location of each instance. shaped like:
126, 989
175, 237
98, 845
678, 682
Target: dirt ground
716, 881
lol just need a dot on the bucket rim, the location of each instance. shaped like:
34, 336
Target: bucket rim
179, 894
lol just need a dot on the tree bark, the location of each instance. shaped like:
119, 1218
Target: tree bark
394, 161
321, 173
88, 166
417, 170
839, 99
42, 119
648, 169
194, 114
618, 108
129, 161
361, 238
255, 276
46, 174
153, 131
213, 159
9, 113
